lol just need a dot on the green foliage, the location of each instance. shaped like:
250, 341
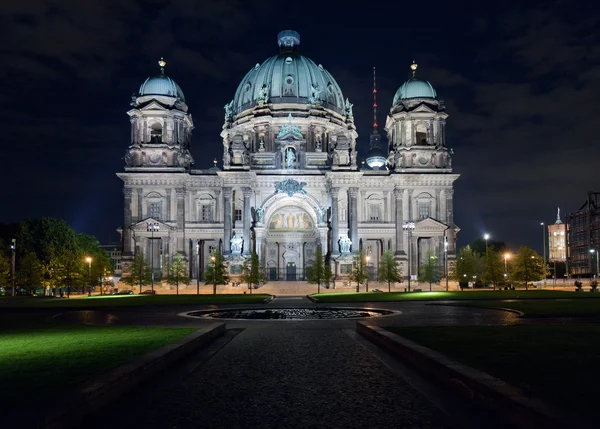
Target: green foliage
389, 270
30, 272
359, 270
430, 270
493, 268
594, 284
318, 270
253, 273
216, 272
139, 273
527, 266
468, 265
177, 272
5, 270
478, 246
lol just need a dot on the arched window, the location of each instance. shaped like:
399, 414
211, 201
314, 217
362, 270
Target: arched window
421, 134
156, 133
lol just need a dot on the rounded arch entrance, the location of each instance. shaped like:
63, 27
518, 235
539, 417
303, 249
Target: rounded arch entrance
292, 232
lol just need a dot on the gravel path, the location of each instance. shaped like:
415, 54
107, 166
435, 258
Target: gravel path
290, 377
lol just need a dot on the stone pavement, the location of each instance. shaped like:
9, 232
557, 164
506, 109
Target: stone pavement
277, 374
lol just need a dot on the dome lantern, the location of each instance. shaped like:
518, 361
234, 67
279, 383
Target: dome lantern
288, 41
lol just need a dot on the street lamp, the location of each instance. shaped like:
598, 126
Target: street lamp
89, 261
486, 237
592, 251
544, 243
409, 227
198, 270
214, 261
151, 227
506, 258
367, 260
446, 260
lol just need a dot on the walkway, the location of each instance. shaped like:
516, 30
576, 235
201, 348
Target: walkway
310, 374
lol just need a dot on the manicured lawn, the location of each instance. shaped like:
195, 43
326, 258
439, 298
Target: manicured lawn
547, 308
131, 300
556, 363
40, 358
440, 296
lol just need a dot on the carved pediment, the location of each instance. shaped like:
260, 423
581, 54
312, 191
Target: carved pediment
423, 108
142, 226
153, 105
430, 225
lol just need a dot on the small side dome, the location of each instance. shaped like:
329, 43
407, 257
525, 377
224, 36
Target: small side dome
161, 85
414, 88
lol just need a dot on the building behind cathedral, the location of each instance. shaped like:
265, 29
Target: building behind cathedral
289, 180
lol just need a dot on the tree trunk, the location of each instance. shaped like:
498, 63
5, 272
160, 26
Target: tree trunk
389, 286
214, 288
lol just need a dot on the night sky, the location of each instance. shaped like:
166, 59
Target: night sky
521, 86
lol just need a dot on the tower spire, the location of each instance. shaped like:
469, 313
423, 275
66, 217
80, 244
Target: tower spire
162, 63
374, 102
558, 217
413, 67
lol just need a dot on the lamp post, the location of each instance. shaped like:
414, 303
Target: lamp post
486, 237
409, 227
198, 265
367, 260
592, 251
13, 250
214, 261
151, 227
446, 260
544, 244
89, 261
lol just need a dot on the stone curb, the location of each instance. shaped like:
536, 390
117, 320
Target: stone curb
310, 298
507, 401
108, 387
269, 299
510, 310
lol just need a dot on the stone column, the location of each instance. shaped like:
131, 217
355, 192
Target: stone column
353, 218
127, 192
399, 218
247, 216
140, 202
335, 234
227, 193
450, 214
180, 192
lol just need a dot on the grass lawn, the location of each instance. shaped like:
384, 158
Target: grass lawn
546, 308
40, 358
130, 300
559, 364
440, 296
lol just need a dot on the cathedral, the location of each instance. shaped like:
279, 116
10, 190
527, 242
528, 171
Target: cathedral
289, 181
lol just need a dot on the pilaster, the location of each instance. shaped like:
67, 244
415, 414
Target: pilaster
227, 193
352, 194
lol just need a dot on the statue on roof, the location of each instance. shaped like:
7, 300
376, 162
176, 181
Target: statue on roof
315, 95
263, 95
348, 109
229, 111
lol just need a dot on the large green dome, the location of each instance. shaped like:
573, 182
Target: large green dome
288, 78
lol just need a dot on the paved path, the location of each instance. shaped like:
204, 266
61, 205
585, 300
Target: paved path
276, 374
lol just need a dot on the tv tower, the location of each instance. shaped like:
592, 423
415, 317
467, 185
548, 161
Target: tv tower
375, 157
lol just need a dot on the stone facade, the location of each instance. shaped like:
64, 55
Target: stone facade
289, 181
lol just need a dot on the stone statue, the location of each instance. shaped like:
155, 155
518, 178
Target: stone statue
229, 111
236, 244
315, 94
322, 212
345, 244
391, 161
128, 158
263, 95
261, 145
348, 109
260, 213
289, 158
319, 143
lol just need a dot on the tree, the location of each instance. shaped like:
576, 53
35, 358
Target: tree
30, 273
493, 268
5, 270
478, 245
318, 270
359, 270
216, 272
140, 273
252, 272
177, 272
527, 266
468, 266
430, 271
389, 270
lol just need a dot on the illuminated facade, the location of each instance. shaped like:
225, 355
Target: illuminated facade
583, 234
289, 181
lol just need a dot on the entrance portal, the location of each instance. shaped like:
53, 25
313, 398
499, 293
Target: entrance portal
290, 271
